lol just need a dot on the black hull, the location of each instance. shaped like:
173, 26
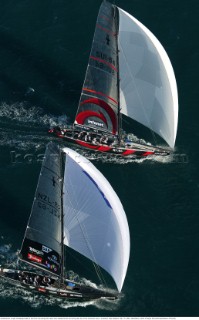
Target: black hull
127, 150
75, 291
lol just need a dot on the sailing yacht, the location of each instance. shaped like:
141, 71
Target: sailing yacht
128, 74
74, 207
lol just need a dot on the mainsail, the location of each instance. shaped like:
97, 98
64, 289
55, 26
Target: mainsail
98, 106
42, 241
95, 223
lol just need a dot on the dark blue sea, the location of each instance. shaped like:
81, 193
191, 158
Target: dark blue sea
44, 49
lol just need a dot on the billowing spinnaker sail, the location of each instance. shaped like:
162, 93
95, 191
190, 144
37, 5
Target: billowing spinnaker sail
98, 106
42, 241
95, 223
148, 91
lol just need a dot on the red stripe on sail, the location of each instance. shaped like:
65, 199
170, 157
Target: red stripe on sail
106, 30
81, 117
105, 17
105, 62
101, 94
107, 108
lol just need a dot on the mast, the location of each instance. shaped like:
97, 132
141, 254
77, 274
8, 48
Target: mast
62, 222
116, 17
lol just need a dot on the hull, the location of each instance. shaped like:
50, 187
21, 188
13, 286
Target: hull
67, 290
128, 149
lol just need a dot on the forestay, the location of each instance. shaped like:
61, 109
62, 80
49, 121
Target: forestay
42, 242
95, 222
148, 90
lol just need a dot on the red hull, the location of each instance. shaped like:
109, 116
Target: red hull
136, 151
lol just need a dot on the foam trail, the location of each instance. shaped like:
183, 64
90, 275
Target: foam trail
26, 128
20, 114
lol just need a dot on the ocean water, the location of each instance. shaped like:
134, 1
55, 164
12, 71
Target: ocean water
44, 48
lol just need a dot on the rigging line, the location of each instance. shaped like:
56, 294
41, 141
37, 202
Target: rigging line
62, 266
80, 262
77, 259
139, 97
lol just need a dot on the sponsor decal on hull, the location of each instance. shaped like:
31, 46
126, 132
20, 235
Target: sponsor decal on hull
42, 290
38, 252
75, 295
46, 249
63, 294
53, 259
34, 258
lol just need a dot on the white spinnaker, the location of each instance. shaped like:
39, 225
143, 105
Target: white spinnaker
148, 90
95, 223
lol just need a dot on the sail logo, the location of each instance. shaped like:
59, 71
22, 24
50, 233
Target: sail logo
46, 249
84, 115
40, 253
95, 123
34, 258
43, 197
105, 57
51, 266
53, 259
